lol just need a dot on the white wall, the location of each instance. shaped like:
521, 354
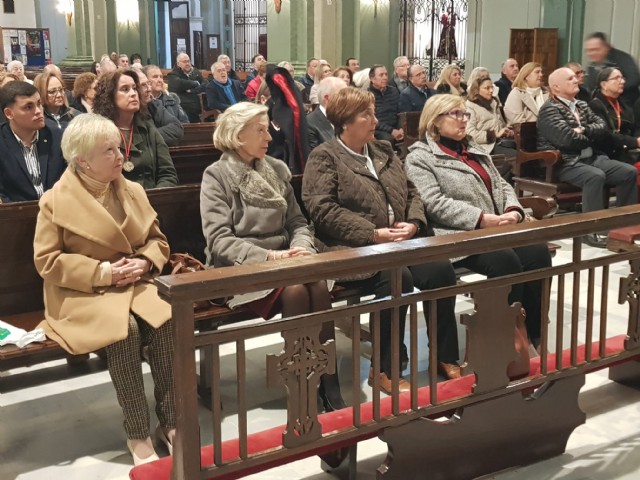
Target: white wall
618, 19
489, 24
25, 16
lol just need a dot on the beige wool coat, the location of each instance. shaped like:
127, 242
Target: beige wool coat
74, 234
483, 122
521, 107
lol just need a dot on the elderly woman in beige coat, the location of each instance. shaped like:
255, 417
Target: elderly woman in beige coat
250, 215
97, 246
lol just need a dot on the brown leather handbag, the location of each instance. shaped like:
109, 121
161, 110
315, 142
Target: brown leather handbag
185, 263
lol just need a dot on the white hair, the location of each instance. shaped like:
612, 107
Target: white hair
327, 87
82, 135
232, 121
15, 63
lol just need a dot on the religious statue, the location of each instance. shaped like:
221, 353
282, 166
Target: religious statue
447, 46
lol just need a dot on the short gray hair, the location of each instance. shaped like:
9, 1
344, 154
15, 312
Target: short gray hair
15, 63
328, 86
232, 121
82, 135
290, 68
222, 56
397, 60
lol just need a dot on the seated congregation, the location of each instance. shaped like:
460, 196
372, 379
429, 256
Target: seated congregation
89, 155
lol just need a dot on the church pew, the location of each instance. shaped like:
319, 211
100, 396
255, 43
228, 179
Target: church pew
492, 413
197, 134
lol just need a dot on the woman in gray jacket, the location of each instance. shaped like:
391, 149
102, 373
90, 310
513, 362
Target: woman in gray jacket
462, 190
250, 215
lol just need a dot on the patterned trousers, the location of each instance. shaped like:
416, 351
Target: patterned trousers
125, 367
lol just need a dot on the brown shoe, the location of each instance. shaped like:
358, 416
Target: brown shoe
449, 370
386, 385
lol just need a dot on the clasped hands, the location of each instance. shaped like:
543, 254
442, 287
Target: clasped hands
491, 220
292, 252
398, 232
128, 270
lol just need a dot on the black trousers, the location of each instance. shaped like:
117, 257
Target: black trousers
424, 277
516, 260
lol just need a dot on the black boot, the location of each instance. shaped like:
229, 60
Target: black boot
329, 393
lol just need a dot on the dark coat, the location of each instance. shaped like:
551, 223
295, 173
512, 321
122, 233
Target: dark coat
504, 88
68, 114
445, 88
346, 202
623, 139
320, 128
15, 181
555, 130
308, 82
216, 98
187, 87
169, 126
282, 122
153, 167
171, 102
386, 108
233, 75
413, 99
627, 66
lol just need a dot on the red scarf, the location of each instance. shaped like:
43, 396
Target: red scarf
292, 102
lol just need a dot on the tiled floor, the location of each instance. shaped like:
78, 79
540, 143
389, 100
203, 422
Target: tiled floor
61, 423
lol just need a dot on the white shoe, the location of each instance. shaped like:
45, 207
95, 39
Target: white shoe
141, 461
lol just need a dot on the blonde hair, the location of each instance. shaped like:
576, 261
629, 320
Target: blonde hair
82, 135
232, 122
444, 79
525, 71
433, 108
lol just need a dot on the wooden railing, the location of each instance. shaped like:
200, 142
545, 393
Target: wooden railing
492, 413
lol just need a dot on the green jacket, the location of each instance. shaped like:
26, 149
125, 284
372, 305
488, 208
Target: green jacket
153, 167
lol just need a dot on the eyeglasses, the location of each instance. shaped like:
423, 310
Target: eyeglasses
617, 78
459, 115
55, 91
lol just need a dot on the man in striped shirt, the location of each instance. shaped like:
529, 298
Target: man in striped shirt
30, 156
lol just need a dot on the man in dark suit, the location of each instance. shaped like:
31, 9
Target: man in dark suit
187, 82
413, 98
222, 92
509, 73
31, 160
320, 129
308, 78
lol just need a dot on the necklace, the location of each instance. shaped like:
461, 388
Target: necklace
128, 164
101, 196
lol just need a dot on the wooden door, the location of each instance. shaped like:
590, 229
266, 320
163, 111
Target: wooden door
180, 37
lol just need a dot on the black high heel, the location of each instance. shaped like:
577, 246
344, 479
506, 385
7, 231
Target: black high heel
329, 393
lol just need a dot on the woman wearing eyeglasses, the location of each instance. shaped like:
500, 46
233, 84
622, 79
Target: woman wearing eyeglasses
462, 190
53, 96
618, 117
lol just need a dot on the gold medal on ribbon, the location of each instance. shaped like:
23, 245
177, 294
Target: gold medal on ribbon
128, 166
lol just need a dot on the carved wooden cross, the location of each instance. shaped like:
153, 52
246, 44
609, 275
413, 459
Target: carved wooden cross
299, 367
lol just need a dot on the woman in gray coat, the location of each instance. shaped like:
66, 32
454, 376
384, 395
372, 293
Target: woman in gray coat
462, 190
250, 215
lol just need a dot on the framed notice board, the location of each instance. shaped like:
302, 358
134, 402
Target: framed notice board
32, 46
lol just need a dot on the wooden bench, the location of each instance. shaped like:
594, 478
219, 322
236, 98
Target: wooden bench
533, 170
198, 134
191, 161
492, 413
21, 302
